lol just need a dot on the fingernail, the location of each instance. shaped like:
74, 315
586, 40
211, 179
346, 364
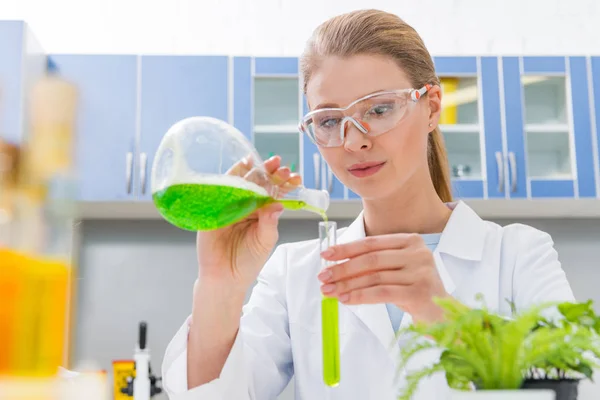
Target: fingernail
328, 288
325, 275
344, 297
327, 253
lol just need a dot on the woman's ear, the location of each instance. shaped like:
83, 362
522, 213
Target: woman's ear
434, 99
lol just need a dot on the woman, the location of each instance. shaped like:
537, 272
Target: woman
375, 100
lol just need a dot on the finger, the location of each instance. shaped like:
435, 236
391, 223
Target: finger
272, 164
397, 277
294, 180
364, 264
370, 244
375, 295
281, 175
242, 167
257, 176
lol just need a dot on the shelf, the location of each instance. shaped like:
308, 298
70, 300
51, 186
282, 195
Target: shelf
464, 153
276, 129
349, 209
542, 128
460, 128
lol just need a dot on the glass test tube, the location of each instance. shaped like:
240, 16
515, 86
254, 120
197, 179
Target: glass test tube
329, 314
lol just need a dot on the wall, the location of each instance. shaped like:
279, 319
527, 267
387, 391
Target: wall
144, 270
280, 27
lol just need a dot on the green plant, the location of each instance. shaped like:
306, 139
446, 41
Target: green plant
487, 351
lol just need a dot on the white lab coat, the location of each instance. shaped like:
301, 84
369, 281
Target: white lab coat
280, 333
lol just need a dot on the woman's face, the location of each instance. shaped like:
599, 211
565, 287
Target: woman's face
392, 158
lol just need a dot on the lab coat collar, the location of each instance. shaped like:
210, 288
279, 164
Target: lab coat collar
463, 238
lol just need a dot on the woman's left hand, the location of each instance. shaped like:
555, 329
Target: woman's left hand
394, 268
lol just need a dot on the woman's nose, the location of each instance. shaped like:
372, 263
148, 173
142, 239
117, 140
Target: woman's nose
355, 136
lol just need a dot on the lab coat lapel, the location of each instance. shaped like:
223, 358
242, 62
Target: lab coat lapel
456, 256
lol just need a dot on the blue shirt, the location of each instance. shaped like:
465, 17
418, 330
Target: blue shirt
431, 241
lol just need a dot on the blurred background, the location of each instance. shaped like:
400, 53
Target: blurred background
522, 99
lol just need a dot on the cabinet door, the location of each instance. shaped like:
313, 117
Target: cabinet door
276, 108
461, 124
594, 67
106, 118
175, 88
11, 71
540, 151
492, 125
242, 95
582, 125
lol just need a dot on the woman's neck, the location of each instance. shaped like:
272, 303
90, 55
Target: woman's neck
419, 210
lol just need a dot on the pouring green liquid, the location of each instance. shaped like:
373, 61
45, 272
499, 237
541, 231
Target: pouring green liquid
205, 207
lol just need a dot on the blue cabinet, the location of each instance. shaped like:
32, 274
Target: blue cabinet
174, 88
548, 127
242, 95
594, 80
22, 62
514, 127
461, 124
11, 71
106, 123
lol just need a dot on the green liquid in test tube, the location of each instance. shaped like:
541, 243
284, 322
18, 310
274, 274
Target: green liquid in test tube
329, 314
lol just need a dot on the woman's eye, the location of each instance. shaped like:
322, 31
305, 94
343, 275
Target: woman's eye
329, 122
380, 109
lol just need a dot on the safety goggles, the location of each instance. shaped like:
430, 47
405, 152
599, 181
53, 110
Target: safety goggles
373, 115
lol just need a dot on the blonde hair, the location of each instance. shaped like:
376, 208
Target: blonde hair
381, 33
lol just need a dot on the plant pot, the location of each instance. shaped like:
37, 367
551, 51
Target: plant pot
529, 394
565, 389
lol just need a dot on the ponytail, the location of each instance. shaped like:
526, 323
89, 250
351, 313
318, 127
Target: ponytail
438, 165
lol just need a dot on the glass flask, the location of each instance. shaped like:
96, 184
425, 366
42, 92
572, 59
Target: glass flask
206, 175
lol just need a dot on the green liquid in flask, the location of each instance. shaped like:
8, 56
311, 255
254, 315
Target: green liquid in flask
205, 207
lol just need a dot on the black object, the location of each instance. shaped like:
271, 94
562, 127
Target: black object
154, 389
142, 335
565, 389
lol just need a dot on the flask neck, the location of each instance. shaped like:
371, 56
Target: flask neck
302, 198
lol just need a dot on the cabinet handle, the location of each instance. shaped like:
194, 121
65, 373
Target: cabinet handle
317, 165
512, 163
128, 171
500, 165
329, 179
143, 164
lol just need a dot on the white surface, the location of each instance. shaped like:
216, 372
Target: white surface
349, 209
281, 27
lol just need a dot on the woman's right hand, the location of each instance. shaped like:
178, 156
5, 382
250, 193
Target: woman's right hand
234, 255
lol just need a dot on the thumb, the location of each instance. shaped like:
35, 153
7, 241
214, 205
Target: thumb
268, 219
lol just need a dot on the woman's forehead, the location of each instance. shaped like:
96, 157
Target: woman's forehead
338, 82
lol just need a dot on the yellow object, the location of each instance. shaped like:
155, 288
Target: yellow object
449, 114
122, 369
33, 292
